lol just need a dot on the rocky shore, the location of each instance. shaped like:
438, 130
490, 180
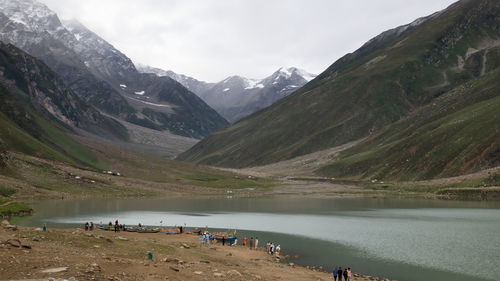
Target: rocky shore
74, 254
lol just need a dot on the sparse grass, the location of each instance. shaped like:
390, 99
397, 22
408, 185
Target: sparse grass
228, 181
8, 207
7, 191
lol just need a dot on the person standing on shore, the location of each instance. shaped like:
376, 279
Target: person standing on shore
278, 250
271, 249
244, 241
256, 243
335, 274
346, 278
251, 243
268, 247
339, 273
349, 274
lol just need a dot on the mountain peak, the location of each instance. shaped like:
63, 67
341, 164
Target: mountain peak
288, 72
31, 15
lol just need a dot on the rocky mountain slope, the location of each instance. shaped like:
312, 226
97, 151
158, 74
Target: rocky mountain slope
196, 86
407, 73
38, 110
237, 97
103, 76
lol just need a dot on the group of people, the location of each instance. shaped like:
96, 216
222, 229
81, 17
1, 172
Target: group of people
339, 273
89, 226
253, 244
272, 249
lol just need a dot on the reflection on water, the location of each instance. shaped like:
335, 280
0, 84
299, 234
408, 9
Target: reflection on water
395, 238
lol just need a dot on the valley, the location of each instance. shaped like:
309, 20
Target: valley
387, 161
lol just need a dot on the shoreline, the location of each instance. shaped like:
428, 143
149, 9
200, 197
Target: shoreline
103, 255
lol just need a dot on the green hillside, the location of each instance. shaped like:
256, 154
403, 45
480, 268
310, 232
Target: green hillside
458, 133
388, 79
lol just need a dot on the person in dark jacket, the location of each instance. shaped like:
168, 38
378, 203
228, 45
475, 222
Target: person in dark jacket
335, 274
339, 273
346, 276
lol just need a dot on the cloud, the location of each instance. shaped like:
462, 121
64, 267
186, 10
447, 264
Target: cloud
212, 39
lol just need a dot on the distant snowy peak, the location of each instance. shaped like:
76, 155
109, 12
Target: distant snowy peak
31, 15
196, 86
288, 72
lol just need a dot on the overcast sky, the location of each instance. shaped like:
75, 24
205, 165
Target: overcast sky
213, 39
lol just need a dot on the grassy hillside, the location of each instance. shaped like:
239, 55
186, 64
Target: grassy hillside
458, 133
389, 78
24, 130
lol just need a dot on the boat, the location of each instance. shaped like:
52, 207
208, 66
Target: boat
105, 227
142, 229
171, 230
148, 230
228, 238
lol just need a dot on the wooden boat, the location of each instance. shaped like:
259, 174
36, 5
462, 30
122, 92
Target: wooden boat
228, 238
148, 230
142, 229
105, 227
171, 230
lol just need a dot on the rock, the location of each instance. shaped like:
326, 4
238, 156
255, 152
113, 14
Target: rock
16, 243
185, 245
176, 269
198, 272
229, 255
36, 239
39, 229
203, 261
218, 274
234, 273
121, 238
5, 223
291, 264
178, 261
55, 270
258, 277
11, 227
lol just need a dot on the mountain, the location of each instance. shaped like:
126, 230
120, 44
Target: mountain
428, 83
237, 97
103, 76
38, 111
196, 86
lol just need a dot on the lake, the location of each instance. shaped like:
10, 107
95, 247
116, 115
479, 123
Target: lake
402, 239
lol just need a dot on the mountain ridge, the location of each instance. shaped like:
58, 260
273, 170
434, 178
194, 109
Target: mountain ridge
365, 91
94, 70
236, 97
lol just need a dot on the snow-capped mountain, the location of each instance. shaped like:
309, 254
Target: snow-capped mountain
99, 56
103, 76
236, 97
192, 84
